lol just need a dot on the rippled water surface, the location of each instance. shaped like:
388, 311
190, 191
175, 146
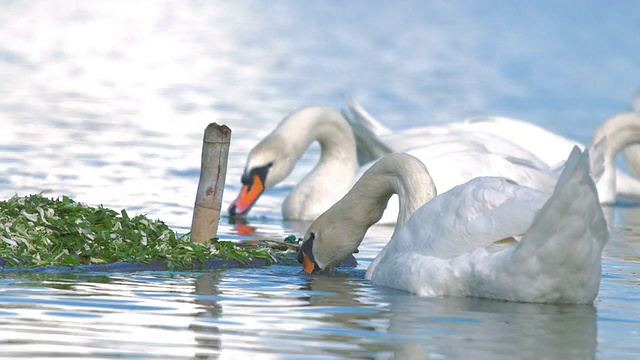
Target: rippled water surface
106, 102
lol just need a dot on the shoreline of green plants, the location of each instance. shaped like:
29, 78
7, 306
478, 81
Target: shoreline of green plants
36, 232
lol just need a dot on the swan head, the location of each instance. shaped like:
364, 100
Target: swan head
268, 163
274, 158
306, 257
338, 232
330, 239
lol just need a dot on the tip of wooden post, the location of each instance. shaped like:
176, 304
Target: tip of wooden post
217, 133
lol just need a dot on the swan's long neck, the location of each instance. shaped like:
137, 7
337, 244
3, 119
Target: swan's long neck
635, 103
632, 153
316, 123
400, 174
339, 231
621, 131
333, 174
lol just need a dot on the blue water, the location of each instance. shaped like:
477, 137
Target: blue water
106, 102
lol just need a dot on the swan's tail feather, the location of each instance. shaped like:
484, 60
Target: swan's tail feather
366, 131
596, 159
563, 246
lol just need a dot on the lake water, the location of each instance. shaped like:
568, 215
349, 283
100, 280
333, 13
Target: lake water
106, 102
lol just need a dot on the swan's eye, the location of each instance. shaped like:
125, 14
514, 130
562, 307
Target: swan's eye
260, 172
306, 247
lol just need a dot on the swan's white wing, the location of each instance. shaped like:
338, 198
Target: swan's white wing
432, 136
374, 140
356, 114
477, 140
470, 216
449, 168
596, 154
453, 163
367, 132
546, 145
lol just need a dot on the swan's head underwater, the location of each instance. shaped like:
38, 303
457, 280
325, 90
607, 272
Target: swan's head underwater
330, 240
306, 257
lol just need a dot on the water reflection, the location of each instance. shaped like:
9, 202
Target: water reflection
207, 336
279, 310
241, 226
417, 327
264, 227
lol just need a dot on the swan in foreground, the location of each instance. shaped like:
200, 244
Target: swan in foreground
453, 160
487, 238
374, 140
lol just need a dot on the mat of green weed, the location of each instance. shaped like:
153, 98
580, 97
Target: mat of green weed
45, 234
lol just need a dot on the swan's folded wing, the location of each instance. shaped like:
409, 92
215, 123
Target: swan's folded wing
470, 216
356, 114
367, 132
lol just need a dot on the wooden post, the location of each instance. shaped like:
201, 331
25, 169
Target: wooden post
213, 170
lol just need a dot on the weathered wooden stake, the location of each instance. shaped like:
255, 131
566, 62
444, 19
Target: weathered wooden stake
213, 170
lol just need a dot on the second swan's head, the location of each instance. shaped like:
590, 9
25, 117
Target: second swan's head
267, 165
274, 158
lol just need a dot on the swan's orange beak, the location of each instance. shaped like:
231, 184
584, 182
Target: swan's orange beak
247, 197
307, 264
305, 256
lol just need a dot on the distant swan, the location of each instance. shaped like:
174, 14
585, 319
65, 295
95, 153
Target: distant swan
453, 159
632, 153
487, 238
374, 140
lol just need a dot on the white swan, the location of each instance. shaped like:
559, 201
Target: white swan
374, 140
486, 238
273, 159
453, 160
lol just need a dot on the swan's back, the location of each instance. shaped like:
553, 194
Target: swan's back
374, 140
544, 144
471, 216
452, 168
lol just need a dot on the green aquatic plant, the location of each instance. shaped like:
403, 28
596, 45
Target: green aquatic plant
39, 231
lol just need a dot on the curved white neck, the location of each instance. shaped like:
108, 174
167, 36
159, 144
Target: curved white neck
621, 131
333, 174
400, 174
635, 103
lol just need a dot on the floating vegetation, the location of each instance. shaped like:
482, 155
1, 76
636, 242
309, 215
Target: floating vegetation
36, 231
